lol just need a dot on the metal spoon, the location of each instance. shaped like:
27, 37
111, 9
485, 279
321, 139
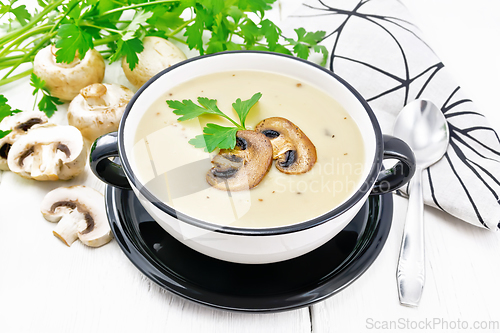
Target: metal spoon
424, 128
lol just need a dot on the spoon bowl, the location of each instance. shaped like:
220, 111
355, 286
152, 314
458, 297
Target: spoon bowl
424, 128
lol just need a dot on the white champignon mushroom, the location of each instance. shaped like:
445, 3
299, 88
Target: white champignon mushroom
18, 124
157, 55
63, 80
80, 213
48, 152
98, 108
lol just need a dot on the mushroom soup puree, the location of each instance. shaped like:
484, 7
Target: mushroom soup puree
174, 171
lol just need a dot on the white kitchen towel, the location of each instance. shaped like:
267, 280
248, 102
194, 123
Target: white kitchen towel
376, 48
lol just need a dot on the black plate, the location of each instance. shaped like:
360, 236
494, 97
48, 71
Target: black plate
279, 286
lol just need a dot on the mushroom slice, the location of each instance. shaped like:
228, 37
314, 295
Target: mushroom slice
66, 80
81, 214
243, 167
48, 152
293, 151
18, 124
98, 108
157, 55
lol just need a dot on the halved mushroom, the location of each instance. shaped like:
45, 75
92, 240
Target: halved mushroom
48, 152
98, 108
157, 55
81, 214
18, 124
293, 151
63, 80
243, 167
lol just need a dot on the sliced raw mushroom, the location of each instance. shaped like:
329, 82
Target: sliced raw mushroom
80, 213
18, 124
48, 152
243, 167
66, 80
157, 55
98, 108
293, 151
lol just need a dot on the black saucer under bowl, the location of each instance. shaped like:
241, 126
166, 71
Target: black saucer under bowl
271, 287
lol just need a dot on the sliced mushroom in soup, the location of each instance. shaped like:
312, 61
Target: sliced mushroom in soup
293, 151
243, 167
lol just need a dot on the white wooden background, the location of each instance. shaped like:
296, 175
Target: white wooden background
48, 287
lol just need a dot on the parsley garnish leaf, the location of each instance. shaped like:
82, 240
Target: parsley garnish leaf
189, 110
243, 107
214, 136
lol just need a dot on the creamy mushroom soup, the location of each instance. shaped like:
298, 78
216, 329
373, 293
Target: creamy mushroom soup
175, 171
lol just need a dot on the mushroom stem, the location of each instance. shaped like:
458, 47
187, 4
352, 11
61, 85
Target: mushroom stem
46, 164
67, 228
94, 93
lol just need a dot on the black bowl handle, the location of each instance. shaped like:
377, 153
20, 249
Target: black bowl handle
391, 179
106, 170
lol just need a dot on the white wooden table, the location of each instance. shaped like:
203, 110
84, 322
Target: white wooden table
48, 287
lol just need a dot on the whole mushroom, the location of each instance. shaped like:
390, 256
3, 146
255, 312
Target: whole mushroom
63, 80
98, 108
18, 124
157, 55
80, 213
293, 151
48, 152
243, 167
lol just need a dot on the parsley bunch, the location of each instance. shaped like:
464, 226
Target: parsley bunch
214, 136
117, 27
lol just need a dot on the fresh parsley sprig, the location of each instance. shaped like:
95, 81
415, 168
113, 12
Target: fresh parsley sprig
48, 103
5, 111
214, 136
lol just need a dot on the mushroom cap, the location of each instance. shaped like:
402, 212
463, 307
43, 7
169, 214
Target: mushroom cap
48, 152
293, 151
243, 167
63, 80
98, 108
81, 214
19, 124
157, 55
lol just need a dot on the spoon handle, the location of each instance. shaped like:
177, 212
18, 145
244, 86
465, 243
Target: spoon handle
411, 266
